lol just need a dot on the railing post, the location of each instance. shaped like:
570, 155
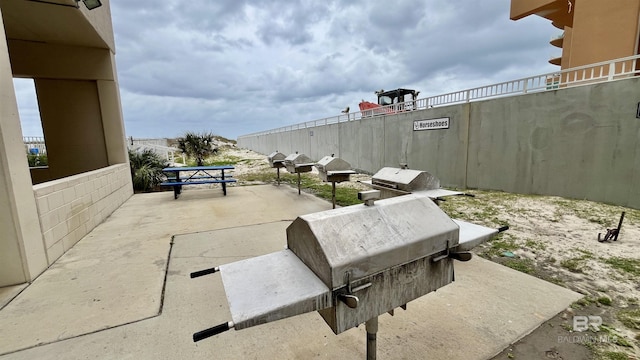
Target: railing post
612, 70
467, 94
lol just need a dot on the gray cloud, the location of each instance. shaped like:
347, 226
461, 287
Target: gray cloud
235, 67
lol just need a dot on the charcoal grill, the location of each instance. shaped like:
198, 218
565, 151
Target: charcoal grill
297, 164
334, 170
402, 181
350, 264
276, 160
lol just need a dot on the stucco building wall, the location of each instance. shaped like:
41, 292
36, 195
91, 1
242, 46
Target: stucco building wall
69, 52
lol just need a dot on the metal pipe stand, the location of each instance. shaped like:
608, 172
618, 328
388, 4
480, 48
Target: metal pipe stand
372, 329
333, 194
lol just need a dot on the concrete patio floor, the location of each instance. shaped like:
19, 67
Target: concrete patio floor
124, 292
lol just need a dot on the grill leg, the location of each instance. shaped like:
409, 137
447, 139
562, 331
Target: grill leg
333, 194
298, 183
372, 329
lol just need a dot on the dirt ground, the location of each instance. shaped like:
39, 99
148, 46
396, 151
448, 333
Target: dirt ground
555, 239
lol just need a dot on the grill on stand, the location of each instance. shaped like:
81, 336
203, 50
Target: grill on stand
334, 170
350, 264
276, 160
297, 164
402, 181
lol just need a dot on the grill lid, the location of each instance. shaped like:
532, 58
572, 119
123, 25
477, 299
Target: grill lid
330, 163
333, 169
401, 181
405, 179
276, 159
367, 239
297, 163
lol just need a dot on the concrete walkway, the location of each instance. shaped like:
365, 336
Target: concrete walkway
107, 298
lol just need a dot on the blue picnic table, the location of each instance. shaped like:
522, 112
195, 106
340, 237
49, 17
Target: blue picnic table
194, 175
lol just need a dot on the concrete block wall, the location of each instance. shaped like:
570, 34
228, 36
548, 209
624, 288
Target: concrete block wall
581, 142
71, 207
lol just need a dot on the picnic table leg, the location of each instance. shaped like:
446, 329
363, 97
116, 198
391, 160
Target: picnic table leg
177, 189
224, 184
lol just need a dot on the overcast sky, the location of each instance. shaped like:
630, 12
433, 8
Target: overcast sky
235, 67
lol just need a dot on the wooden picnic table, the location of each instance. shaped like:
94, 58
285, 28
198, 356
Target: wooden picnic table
195, 175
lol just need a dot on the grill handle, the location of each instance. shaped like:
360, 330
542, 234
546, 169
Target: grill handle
461, 256
201, 335
196, 274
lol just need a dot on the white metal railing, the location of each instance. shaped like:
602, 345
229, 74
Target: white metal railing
167, 152
587, 74
35, 145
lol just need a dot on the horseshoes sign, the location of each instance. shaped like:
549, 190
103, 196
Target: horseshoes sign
431, 124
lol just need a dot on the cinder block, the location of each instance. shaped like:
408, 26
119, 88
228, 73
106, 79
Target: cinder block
42, 204
68, 195
55, 251
48, 239
70, 240
73, 222
55, 200
60, 231
49, 220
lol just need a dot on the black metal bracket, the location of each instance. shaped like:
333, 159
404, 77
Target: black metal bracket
612, 234
460, 255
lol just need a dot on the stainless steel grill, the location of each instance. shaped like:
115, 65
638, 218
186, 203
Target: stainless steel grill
276, 160
334, 170
350, 264
297, 164
402, 181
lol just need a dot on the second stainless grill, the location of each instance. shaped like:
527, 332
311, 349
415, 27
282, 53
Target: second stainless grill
334, 170
297, 164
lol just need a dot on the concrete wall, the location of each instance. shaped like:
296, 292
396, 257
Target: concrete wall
70, 208
581, 142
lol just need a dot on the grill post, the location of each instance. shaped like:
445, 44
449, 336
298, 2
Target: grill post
278, 171
372, 329
298, 183
333, 194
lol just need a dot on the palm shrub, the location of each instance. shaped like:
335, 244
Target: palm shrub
37, 160
146, 169
199, 146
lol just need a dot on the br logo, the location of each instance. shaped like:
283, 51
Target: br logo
582, 323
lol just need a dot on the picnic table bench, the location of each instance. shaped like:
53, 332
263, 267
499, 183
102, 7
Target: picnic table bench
195, 175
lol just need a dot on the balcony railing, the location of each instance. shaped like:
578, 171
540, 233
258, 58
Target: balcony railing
35, 145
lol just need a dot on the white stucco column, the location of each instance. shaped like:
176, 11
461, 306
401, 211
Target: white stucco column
22, 253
